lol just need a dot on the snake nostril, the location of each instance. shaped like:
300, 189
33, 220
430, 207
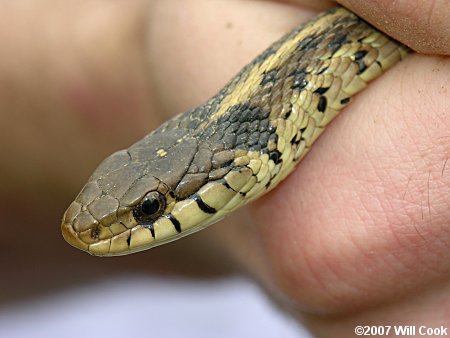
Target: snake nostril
95, 232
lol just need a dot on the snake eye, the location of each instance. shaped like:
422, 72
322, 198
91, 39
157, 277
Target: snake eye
151, 207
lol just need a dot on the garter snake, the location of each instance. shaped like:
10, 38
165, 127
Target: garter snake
203, 164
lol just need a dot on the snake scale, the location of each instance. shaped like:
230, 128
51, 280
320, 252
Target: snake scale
205, 163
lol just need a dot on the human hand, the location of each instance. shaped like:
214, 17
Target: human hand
357, 234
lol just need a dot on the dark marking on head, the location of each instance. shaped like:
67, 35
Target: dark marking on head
129, 239
174, 221
203, 206
322, 105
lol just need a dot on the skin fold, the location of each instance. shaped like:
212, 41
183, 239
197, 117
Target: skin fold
357, 235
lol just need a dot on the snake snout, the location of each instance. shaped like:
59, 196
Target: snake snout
81, 230
72, 238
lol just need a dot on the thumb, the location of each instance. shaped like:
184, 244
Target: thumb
421, 25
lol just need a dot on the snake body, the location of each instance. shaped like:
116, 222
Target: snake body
205, 163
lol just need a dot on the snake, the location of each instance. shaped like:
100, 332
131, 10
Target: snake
205, 163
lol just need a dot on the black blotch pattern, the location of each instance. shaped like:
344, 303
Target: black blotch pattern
338, 41
322, 105
294, 140
359, 56
321, 90
269, 77
299, 81
129, 240
242, 126
275, 156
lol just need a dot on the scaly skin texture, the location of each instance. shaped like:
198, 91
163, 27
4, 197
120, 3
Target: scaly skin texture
205, 163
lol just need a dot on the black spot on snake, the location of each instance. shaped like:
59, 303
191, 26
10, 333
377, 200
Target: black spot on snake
275, 156
361, 65
287, 113
294, 140
360, 54
322, 105
321, 90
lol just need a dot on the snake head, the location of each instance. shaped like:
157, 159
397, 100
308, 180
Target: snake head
139, 198
126, 197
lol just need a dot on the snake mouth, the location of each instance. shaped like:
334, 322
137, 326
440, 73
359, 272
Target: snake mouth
71, 236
